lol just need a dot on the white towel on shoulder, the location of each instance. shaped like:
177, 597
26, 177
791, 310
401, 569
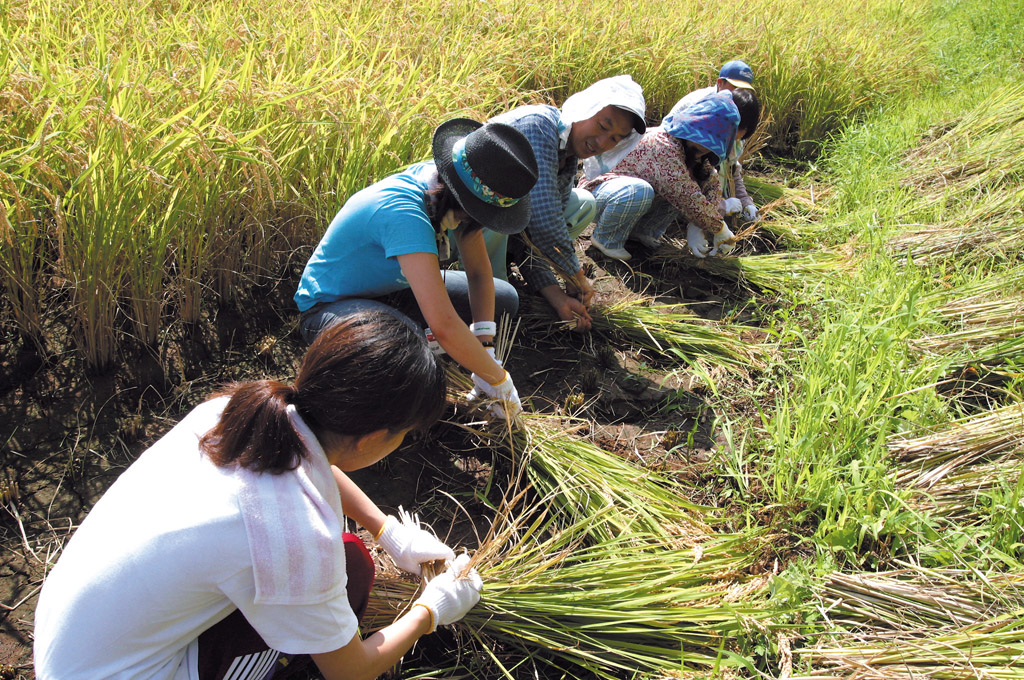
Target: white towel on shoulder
294, 523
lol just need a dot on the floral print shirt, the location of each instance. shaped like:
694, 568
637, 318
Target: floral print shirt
660, 161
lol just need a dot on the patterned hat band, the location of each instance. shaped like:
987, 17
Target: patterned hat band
474, 183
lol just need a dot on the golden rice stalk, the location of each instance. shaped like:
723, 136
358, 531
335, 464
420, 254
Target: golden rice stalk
583, 608
990, 227
781, 272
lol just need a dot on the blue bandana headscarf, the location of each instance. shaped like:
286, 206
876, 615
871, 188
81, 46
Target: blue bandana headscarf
711, 122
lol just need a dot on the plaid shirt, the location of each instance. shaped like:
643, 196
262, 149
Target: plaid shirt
548, 198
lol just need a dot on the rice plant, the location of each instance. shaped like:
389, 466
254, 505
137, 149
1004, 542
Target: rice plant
626, 603
983, 150
788, 272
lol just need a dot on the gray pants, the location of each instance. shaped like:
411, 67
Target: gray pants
402, 305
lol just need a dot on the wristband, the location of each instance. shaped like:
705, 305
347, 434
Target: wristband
430, 613
483, 328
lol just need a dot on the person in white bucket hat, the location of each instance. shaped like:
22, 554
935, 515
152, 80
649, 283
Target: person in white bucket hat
598, 126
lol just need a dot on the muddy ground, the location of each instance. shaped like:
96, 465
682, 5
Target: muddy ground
67, 434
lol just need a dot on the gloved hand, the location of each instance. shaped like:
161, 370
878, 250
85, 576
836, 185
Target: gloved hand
722, 244
730, 206
410, 546
505, 392
750, 212
697, 241
452, 594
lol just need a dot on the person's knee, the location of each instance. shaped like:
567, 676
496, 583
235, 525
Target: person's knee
506, 299
645, 196
580, 211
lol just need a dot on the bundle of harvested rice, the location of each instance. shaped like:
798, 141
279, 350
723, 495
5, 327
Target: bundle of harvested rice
588, 609
990, 227
918, 623
984, 149
780, 272
670, 331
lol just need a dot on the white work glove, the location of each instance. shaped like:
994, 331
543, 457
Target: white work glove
731, 206
450, 595
750, 213
697, 241
410, 546
504, 392
722, 247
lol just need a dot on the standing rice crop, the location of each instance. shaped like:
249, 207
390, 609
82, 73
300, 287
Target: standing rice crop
286, 113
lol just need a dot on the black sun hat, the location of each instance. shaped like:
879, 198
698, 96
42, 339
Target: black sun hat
490, 169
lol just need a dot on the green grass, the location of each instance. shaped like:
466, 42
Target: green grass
923, 333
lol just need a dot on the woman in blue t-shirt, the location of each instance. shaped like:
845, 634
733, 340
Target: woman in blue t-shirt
386, 247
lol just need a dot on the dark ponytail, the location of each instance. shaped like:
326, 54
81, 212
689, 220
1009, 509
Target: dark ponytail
366, 373
253, 430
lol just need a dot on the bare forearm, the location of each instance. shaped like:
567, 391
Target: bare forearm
481, 297
465, 348
372, 657
357, 505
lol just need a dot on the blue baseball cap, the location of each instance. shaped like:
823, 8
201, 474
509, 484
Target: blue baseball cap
738, 73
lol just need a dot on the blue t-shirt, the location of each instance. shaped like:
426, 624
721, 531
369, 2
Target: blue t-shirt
357, 256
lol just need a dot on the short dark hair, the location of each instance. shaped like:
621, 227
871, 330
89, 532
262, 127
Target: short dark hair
749, 107
368, 372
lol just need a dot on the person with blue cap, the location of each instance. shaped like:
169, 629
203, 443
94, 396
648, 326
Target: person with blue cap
389, 246
670, 173
737, 77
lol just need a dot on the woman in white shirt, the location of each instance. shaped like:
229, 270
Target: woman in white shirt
222, 550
